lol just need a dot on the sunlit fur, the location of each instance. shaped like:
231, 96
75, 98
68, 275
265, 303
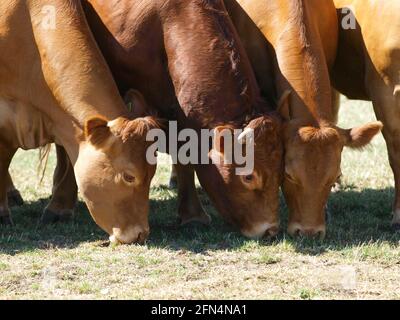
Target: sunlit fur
200, 75
301, 37
55, 86
367, 68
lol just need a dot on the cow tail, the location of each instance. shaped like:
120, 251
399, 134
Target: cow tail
44, 153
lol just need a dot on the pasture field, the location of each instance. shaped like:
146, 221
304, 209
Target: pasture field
360, 259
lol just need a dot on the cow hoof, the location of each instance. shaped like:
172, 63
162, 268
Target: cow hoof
51, 217
173, 183
204, 219
6, 221
14, 198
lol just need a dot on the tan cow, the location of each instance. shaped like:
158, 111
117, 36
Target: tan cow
56, 87
368, 68
301, 36
200, 76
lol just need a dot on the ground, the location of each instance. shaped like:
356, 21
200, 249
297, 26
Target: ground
359, 259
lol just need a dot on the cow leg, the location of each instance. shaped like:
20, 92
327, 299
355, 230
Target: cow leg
335, 105
173, 180
189, 207
64, 198
387, 109
6, 154
14, 197
335, 115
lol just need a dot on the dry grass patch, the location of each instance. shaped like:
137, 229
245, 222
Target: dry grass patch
359, 259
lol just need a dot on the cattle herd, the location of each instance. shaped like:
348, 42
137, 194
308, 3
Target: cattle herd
69, 69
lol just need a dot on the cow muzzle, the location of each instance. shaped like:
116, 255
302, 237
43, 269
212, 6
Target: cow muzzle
263, 230
130, 235
297, 230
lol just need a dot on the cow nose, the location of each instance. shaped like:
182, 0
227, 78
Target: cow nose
262, 230
271, 232
129, 235
142, 237
308, 232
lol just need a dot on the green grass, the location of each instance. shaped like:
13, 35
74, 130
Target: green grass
359, 259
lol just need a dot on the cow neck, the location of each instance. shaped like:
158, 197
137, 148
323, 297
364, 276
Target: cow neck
73, 67
212, 76
303, 65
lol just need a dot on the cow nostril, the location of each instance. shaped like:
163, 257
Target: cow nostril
297, 232
142, 237
271, 232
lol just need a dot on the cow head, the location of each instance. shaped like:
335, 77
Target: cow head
249, 201
312, 166
114, 176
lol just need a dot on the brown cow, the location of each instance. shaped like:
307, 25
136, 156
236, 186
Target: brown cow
56, 87
200, 75
368, 68
301, 35
186, 58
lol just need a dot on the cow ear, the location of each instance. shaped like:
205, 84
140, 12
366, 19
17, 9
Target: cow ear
359, 137
136, 104
284, 105
97, 131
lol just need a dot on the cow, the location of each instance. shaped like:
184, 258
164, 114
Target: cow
55, 86
201, 77
187, 60
300, 38
368, 68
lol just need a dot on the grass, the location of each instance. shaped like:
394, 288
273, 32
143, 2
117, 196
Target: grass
360, 259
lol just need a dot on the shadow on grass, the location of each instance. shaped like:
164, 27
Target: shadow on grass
357, 218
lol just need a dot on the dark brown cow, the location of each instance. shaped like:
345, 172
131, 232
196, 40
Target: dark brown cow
56, 87
186, 58
368, 68
301, 36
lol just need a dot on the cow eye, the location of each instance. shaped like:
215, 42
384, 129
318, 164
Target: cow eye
249, 178
128, 178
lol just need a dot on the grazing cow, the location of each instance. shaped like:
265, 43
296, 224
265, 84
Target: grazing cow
200, 75
187, 60
301, 36
56, 87
368, 68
